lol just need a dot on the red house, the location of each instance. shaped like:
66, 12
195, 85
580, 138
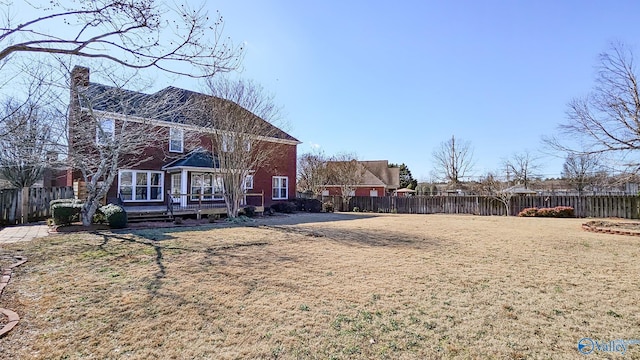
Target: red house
180, 168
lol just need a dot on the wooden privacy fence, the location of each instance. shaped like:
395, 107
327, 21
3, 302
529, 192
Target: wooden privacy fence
36, 204
622, 206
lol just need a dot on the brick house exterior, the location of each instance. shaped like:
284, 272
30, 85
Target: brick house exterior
182, 164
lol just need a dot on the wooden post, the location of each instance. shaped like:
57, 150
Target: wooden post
24, 208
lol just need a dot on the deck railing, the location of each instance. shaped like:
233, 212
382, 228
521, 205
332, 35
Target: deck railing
199, 201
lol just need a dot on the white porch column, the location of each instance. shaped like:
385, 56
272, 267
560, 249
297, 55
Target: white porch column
183, 187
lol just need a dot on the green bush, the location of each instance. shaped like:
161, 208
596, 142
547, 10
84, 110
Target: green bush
64, 213
309, 205
356, 209
328, 206
116, 216
284, 207
99, 218
250, 211
63, 201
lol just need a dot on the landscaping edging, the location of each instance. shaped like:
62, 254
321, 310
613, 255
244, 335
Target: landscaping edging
592, 227
4, 280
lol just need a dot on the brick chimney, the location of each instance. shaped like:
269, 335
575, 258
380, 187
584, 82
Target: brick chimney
79, 76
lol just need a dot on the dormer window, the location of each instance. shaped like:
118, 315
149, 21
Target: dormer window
176, 140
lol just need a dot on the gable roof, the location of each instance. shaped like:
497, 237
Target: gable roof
378, 173
165, 105
197, 158
380, 169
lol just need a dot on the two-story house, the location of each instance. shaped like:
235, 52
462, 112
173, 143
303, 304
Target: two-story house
180, 167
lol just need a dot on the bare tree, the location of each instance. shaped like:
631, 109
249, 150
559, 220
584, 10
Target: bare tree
313, 174
581, 170
522, 167
346, 172
607, 120
134, 34
25, 154
454, 160
242, 114
109, 129
490, 185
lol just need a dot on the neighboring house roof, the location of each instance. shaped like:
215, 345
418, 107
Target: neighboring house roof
519, 189
196, 159
160, 105
405, 190
377, 173
389, 176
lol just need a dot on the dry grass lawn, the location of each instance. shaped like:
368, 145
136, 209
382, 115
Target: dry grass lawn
345, 287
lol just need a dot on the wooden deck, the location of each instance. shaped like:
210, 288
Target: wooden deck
198, 210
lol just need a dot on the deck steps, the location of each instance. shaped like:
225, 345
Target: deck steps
136, 217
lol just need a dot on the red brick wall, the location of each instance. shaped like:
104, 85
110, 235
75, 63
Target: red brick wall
282, 163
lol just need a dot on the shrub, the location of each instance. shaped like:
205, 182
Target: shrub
284, 207
213, 217
99, 217
63, 201
116, 216
177, 220
546, 212
356, 209
528, 212
556, 212
328, 206
565, 211
64, 213
309, 205
250, 211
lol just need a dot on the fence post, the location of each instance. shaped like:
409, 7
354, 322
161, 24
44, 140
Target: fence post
24, 205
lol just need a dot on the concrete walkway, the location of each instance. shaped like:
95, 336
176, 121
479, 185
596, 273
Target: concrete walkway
18, 233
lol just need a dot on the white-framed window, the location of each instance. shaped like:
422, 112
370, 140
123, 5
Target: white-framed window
140, 185
248, 182
280, 187
105, 131
352, 193
209, 185
176, 140
325, 192
373, 193
176, 186
229, 142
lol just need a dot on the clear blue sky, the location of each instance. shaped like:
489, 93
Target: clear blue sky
392, 80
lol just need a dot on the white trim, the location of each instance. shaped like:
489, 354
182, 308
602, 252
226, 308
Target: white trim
100, 128
247, 177
286, 187
198, 129
215, 196
171, 135
185, 187
148, 185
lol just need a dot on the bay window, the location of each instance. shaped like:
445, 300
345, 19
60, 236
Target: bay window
209, 185
136, 185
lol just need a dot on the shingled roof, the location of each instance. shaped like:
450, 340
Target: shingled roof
198, 158
168, 104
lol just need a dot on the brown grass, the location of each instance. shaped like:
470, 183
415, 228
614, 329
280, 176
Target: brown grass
345, 287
